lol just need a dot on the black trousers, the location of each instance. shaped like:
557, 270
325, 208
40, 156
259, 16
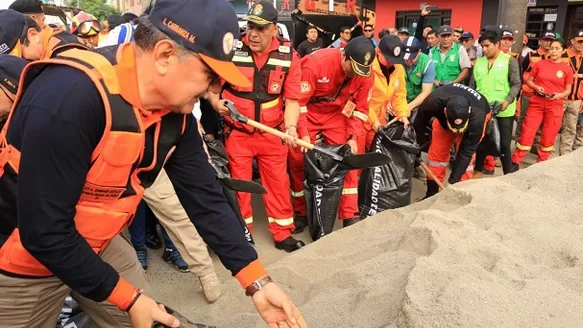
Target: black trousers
505, 124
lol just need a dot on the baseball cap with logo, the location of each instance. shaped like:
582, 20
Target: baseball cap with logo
11, 26
404, 30
361, 53
548, 36
412, 46
11, 68
444, 30
392, 49
262, 14
458, 113
208, 28
579, 35
507, 34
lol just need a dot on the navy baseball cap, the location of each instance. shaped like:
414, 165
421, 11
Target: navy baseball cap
467, 36
579, 35
444, 30
361, 53
458, 113
11, 27
11, 68
208, 28
27, 6
549, 36
404, 30
262, 14
412, 46
507, 34
392, 49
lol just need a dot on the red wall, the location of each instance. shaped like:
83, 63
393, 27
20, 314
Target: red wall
464, 13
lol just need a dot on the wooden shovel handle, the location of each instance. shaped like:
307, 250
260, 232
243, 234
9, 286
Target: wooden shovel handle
428, 170
278, 133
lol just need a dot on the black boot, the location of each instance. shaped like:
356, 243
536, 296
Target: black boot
349, 222
300, 223
289, 244
515, 167
432, 188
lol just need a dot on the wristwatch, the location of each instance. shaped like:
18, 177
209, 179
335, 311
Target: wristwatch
257, 285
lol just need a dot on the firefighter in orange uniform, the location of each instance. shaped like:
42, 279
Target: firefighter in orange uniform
273, 68
334, 102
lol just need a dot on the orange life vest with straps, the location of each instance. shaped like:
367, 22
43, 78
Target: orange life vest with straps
53, 42
263, 101
128, 158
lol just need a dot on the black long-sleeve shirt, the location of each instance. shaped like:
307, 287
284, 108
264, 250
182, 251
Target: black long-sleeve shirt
434, 106
56, 126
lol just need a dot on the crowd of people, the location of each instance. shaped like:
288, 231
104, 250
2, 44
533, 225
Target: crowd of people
97, 136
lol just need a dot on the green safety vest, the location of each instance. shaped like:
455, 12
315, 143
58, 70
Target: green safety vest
415, 77
493, 83
450, 69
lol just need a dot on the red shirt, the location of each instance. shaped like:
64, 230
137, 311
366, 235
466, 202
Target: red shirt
553, 77
291, 86
322, 76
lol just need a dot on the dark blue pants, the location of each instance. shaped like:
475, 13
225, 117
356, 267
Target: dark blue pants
145, 223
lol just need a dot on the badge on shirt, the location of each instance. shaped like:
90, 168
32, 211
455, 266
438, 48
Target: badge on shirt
418, 74
239, 44
275, 86
284, 49
560, 74
348, 109
241, 53
305, 87
451, 58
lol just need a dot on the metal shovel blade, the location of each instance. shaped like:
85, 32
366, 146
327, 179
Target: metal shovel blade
244, 186
366, 160
184, 322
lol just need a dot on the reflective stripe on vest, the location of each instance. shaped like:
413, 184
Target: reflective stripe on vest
493, 82
112, 189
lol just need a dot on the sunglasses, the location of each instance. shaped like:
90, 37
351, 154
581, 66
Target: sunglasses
368, 30
89, 28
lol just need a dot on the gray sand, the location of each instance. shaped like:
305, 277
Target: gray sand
500, 252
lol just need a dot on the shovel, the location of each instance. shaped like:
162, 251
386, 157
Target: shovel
428, 171
184, 322
353, 161
239, 185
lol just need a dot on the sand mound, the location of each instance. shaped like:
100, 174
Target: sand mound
501, 252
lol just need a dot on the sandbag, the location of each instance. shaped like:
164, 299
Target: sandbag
389, 186
219, 161
323, 188
490, 144
72, 316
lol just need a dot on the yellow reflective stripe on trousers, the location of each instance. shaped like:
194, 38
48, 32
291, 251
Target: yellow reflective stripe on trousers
547, 149
279, 62
360, 115
242, 59
350, 191
303, 109
281, 222
521, 147
432, 163
297, 194
249, 220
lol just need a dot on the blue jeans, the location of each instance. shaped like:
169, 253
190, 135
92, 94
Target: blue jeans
146, 221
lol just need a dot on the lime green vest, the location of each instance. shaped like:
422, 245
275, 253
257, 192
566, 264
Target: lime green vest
415, 77
449, 69
493, 83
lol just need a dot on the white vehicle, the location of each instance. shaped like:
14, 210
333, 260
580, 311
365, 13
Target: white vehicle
283, 32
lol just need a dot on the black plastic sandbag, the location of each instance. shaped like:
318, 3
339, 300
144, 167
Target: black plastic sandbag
389, 186
490, 144
323, 188
219, 161
72, 316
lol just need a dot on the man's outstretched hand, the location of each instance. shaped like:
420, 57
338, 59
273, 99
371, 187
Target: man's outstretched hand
276, 308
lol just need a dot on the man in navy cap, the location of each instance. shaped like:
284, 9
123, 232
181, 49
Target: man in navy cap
460, 116
11, 68
91, 131
420, 73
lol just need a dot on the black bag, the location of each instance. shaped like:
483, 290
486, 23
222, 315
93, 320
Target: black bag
490, 144
219, 161
323, 188
389, 186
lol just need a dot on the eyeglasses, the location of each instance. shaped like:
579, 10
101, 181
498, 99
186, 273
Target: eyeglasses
88, 28
368, 30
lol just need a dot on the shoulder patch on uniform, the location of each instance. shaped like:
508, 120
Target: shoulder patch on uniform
239, 44
284, 49
305, 87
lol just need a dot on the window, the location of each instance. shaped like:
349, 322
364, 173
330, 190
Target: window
538, 21
574, 21
435, 19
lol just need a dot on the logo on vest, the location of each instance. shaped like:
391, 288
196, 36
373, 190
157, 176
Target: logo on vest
228, 41
305, 87
284, 49
275, 86
451, 58
560, 74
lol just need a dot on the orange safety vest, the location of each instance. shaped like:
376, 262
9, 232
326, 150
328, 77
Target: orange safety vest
128, 158
263, 101
54, 41
535, 57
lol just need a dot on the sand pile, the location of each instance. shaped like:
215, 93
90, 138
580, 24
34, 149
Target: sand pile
501, 252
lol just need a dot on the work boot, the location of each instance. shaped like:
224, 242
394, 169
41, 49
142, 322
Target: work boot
497, 162
515, 167
171, 255
432, 189
211, 286
477, 175
300, 223
152, 241
489, 172
289, 244
142, 253
349, 222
